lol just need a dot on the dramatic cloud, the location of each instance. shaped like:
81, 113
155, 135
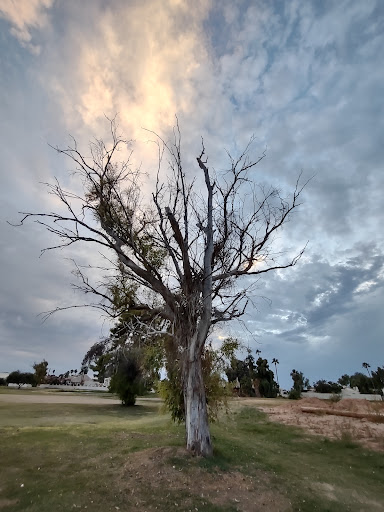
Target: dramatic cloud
304, 77
26, 16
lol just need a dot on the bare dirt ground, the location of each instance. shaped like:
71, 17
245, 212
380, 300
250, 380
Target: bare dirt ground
367, 430
244, 492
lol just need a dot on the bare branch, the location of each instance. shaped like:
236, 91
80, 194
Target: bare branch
183, 252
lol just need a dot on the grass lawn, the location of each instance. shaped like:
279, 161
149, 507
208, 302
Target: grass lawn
106, 458
5, 390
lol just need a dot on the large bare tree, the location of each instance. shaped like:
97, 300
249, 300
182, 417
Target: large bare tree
191, 245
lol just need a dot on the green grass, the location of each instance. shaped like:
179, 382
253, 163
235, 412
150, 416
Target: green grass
303, 463
65, 457
71, 390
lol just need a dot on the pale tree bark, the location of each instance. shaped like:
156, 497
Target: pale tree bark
188, 248
196, 413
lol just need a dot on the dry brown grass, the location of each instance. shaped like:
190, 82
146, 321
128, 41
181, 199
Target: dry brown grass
361, 420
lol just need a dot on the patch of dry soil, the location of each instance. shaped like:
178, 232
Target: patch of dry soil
7, 503
154, 469
367, 431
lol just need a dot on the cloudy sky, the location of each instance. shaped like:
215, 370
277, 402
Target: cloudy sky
305, 77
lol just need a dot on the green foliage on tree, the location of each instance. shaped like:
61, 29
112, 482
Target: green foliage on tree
366, 384
40, 371
367, 367
214, 363
250, 374
299, 384
98, 360
268, 387
345, 380
3, 382
294, 394
171, 391
276, 362
378, 379
127, 381
20, 378
136, 327
323, 386
242, 372
362, 382
129, 355
171, 388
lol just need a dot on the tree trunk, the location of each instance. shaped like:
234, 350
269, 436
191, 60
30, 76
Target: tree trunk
196, 414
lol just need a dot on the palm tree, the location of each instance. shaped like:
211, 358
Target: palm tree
367, 366
275, 362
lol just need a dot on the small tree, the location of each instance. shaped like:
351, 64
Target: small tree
378, 379
190, 247
299, 383
20, 378
276, 362
242, 372
40, 371
267, 386
367, 367
345, 380
362, 382
127, 382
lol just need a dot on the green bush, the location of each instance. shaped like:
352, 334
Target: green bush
323, 386
2, 382
127, 382
336, 397
294, 394
173, 397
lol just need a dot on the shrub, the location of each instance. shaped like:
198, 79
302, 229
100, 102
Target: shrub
2, 382
322, 386
294, 394
173, 398
127, 382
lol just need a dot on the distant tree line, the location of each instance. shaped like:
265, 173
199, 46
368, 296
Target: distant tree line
252, 378
39, 376
372, 383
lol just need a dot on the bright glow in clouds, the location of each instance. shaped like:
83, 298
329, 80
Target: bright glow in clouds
140, 61
25, 15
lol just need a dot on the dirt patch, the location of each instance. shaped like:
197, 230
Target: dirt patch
367, 430
166, 478
327, 490
7, 503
